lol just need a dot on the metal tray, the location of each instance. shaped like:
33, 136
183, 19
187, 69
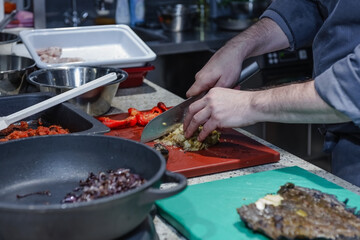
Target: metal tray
108, 46
64, 114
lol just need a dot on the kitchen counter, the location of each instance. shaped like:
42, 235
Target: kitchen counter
145, 96
209, 37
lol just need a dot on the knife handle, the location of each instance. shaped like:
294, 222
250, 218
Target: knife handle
248, 72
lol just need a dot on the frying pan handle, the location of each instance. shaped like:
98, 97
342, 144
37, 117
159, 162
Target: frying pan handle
153, 194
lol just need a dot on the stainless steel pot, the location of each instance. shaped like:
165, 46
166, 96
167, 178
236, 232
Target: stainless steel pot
13, 73
58, 80
57, 164
178, 17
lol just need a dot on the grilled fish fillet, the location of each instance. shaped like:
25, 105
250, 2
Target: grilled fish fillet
301, 213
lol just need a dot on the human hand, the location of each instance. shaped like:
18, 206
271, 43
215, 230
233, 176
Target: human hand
222, 70
224, 67
219, 108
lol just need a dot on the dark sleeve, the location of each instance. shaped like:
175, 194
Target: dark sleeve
339, 85
299, 19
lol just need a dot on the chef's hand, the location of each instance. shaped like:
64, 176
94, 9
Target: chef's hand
224, 67
219, 108
222, 70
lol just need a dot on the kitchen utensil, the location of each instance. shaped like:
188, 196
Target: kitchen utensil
61, 79
208, 210
165, 122
13, 73
234, 151
7, 19
7, 41
57, 164
64, 114
114, 46
178, 17
17, 116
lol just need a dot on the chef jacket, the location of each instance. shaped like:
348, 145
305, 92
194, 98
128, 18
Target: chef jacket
332, 27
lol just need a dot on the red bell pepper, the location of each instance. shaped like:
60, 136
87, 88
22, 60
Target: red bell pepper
135, 117
144, 118
162, 106
133, 111
124, 123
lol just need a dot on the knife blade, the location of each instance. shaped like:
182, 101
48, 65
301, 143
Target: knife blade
170, 119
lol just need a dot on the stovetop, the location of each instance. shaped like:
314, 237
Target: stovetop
145, 231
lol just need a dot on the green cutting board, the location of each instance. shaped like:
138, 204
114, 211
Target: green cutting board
208, 210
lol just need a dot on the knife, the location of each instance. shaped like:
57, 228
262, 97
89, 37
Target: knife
170, 119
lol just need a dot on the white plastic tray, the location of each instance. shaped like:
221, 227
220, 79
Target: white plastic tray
109, 45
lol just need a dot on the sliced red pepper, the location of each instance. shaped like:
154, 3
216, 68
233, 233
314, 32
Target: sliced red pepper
135, 117
162, 106
142, 119
145, 117
133, 111
113, 124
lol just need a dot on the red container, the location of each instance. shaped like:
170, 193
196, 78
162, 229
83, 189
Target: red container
136, 76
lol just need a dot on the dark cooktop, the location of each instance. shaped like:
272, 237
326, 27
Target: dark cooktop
145, 231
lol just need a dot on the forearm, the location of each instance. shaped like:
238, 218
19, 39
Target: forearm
295, 103
228, 108
262, 37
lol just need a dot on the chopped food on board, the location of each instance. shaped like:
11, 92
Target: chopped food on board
162, 149
177, 138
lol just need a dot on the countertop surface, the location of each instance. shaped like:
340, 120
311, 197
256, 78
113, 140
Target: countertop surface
201, 38
145, 96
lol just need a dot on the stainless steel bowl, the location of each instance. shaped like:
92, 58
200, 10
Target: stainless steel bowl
13, 73
178, 17
7, 41
58, 80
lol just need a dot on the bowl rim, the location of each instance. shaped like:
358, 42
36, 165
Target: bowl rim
16, 39
33, 63
31, 76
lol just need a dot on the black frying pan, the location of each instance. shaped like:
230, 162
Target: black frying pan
57, 163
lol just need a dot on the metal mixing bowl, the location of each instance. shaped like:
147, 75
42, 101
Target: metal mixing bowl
7, 41
58, 80
13, 73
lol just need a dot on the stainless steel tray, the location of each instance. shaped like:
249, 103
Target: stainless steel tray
65, 114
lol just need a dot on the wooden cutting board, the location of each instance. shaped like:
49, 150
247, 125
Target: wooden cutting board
234, 151
208, 210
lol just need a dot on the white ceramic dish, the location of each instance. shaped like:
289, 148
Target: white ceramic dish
104, 46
